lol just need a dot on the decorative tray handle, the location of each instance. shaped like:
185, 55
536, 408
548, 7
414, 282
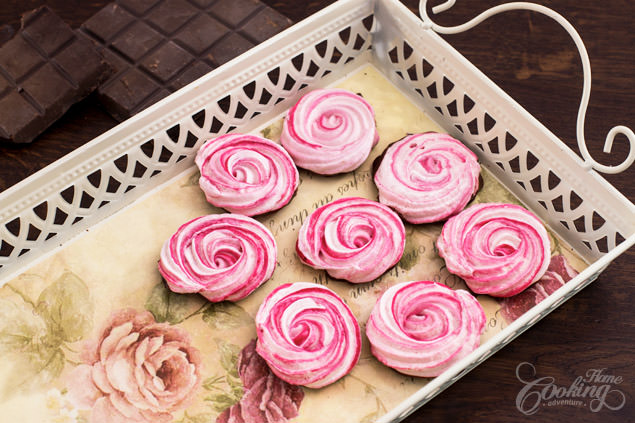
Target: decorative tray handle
589, 162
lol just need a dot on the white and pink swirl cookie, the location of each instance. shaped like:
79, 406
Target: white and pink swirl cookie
421, 328
499, 249
352, 238
307, 335
246, 174
220, 256
329, 131
427, 177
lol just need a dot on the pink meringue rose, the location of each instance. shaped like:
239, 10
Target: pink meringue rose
427, 177
421, 328
330, 131
352, 238
499, 249
221, 256
307, 334
246, 174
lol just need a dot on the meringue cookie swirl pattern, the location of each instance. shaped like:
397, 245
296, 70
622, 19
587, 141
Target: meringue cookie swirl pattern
427, 177
246, 174
307, 334
352, 238
499, 249
222, 257
329, 131
421, 328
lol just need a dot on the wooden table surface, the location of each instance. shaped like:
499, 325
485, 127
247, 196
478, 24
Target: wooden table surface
533, 60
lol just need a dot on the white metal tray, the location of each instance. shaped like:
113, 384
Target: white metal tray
43, 212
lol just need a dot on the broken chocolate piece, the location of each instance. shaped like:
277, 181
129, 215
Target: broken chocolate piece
159, 46
44, 69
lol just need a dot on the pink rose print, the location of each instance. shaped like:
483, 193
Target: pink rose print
558, 273
138, 371
267, 398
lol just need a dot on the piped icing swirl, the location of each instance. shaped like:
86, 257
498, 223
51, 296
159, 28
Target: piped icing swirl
329, 131
246, 174
220, 256
307, 334
421, 328
427, 177
498, 249
352, 238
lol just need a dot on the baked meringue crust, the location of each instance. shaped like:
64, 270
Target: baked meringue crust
246, 174
307, 334
421, 328
427, 177
220, 256
329, 131
352, 238
498, 249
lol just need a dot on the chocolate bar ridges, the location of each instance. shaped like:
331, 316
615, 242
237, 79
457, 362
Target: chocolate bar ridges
44, 69
159, 46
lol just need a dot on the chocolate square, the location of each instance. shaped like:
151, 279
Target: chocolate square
108, 21
201, 33
192, 37
170, 15
115, 60
127, 92
38, 30
48, 88
265, 24
192, 73
167, 61
138, 7
233, 12
43, 76
136, 40
18, 117
18, 57
232, 46
81, 62
159, 95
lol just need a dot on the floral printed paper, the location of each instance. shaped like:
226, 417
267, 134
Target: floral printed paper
92, 334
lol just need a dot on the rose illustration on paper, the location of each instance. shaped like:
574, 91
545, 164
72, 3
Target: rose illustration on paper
558, 273
137, 371
266, 398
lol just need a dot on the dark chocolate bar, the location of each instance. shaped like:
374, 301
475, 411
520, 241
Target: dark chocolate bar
44, 69
158, 46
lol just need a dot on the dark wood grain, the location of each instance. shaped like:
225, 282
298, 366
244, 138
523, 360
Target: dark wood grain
534, 61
